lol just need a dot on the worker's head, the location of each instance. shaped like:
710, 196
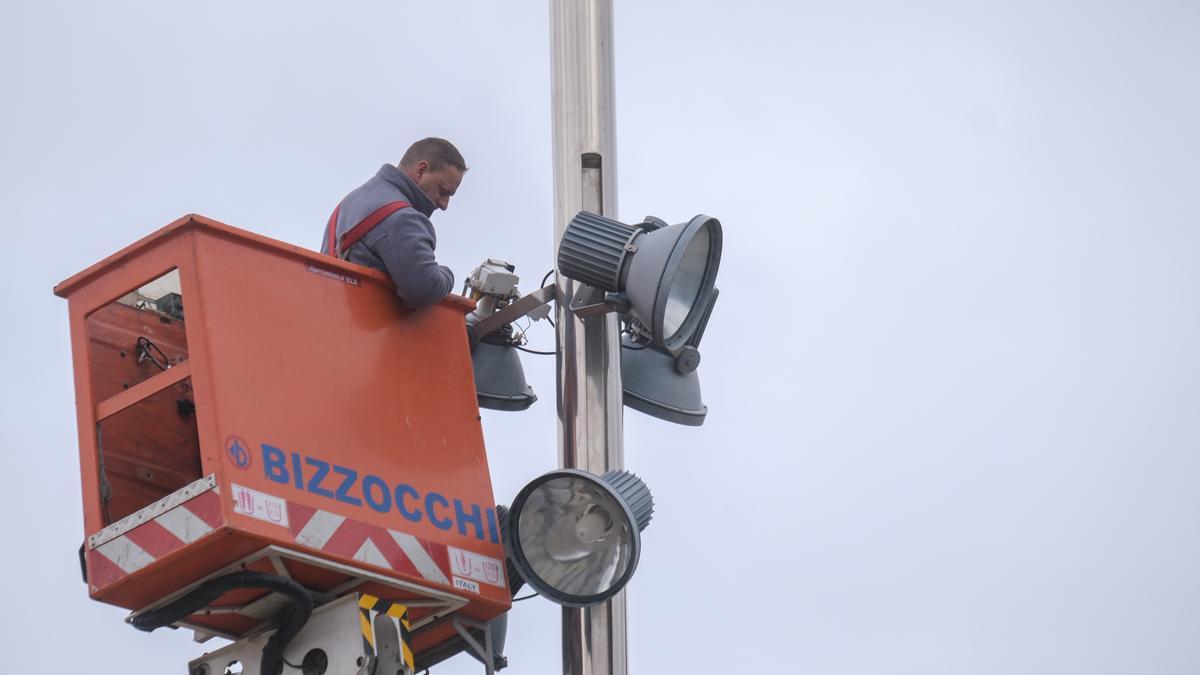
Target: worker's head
436, 166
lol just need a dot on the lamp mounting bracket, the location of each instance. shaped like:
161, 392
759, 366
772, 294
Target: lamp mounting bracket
590, 301
514, 311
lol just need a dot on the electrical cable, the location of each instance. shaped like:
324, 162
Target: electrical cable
543, 285
525, 597
295, 616
143, 347
533, 351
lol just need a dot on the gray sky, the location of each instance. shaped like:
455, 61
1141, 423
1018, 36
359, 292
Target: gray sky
952, 379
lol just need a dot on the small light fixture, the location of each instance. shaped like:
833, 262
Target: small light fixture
499, 377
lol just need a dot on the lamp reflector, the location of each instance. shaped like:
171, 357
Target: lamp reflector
670, 278
499, 378
575, 537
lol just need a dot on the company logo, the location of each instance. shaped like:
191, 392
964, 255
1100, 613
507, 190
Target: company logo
238, 451
356, 488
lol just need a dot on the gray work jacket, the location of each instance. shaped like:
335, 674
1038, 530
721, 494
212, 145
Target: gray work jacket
402, 244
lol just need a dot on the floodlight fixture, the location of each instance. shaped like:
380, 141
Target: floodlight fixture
499, 377
574, 537
660, 383
662, 273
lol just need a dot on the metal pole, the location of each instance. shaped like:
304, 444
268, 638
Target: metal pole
589, 367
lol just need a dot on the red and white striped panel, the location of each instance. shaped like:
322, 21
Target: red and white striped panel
374, 545
170, 531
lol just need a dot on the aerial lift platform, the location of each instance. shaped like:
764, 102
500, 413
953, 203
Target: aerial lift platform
248, 407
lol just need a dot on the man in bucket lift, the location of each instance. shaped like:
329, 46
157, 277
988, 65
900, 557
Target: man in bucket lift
384, 223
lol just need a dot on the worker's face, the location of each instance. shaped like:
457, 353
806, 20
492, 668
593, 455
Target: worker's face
439, 185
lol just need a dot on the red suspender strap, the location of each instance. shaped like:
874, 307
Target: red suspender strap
338, 247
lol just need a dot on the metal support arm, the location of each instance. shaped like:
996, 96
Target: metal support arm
511, 313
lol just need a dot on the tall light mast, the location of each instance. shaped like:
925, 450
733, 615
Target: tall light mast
589, 403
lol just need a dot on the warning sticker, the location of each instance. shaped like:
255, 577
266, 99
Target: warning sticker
466, 585
258, 505
477, 567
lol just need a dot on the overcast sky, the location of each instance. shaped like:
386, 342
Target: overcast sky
953, 378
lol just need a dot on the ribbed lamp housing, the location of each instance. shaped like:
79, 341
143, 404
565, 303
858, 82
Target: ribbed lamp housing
592, 250
635, 493
515, 580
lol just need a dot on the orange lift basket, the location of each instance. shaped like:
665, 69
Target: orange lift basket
245, 404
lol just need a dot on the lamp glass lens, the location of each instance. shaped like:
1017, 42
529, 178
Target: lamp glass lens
686, 284
575, 536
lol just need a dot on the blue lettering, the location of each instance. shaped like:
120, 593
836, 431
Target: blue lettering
403, 490
441, 524
378, 494
351, 477
491, 516
297, 472
314, 483
274, 463
463, 519
385, 502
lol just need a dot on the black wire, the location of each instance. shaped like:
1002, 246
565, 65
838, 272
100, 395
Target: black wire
531, 595
289, 663
543, 285
534, 351
144, 345
297, 615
